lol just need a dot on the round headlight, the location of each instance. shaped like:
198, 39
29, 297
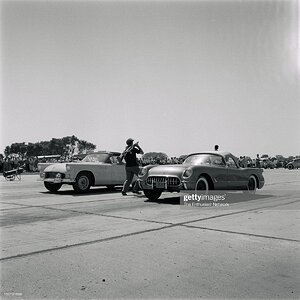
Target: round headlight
58, 175
143, 172
187, 173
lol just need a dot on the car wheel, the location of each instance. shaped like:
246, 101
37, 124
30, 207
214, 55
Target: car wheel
152, 194
83, 183
202, 184
10, 177
52, 187
290, 167
252, 185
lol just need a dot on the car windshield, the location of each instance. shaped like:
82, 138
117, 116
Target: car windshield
96, 157
204, 159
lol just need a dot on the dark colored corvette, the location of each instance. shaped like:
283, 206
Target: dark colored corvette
200, 171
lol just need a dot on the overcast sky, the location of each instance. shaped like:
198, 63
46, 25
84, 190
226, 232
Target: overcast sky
179, 76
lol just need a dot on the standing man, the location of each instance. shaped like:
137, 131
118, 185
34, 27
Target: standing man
132, 166
257, 161
216, 147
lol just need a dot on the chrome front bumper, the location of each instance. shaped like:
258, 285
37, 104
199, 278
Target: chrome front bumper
58, 180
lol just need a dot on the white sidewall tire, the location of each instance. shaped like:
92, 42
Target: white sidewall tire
203, 181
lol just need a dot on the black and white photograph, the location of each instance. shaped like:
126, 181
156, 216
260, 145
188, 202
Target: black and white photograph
150, 149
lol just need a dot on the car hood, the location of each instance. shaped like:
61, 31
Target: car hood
175, 170
59, 167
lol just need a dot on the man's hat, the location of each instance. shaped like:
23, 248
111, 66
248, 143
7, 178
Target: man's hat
129, 141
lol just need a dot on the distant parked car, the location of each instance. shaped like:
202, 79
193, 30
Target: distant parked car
267, 163
96, 169
245, 162
200, 171
294, 164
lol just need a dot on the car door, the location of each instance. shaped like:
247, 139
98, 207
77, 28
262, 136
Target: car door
219, 172
117, 171
236, 176
101, 173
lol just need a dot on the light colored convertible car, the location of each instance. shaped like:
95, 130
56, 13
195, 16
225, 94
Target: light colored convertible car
200, 171
96, 169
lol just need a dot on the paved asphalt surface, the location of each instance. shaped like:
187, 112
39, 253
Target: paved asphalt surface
102, 245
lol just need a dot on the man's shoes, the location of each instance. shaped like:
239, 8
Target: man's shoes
136, 192
124, 194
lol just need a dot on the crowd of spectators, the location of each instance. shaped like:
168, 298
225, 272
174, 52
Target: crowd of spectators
31, 164
161, 161
10, 163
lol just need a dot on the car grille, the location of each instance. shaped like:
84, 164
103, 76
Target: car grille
171, 181
53, 175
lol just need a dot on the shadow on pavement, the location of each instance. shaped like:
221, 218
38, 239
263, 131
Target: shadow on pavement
101, 191
171, 201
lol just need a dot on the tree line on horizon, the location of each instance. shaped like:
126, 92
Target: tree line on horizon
66, 146
69, 145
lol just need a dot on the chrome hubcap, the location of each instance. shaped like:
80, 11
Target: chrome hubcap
83, 182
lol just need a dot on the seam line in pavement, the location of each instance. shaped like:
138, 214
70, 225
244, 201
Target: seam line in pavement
84, 243
152, 221
183, 224
242, 233
7, 209
236, 212
94, 214
67, 203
